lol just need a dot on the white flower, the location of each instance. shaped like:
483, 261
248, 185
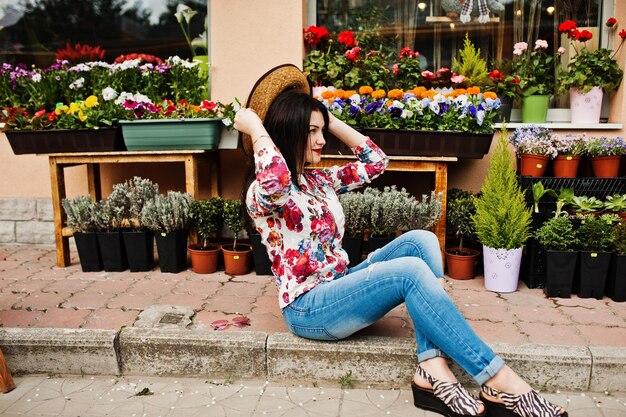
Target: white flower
480, 117
184, 11
36, 77
522, 46
461, 101
77, 84
109, 94
561, 50
434, 107
355, 99
517, 52
138, 97
541, 44
227, 122
397, 103
406, 114
80, 68
439, 98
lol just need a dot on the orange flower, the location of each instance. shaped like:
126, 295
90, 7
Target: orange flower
340, 94
460, 91
419, 90
396, 94
327, 94
365, 90
473, 90
490, 94
350, 93
378, 94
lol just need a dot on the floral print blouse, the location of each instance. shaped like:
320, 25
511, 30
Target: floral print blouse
302, 225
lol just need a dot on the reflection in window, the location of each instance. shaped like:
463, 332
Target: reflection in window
31, 31
433, 28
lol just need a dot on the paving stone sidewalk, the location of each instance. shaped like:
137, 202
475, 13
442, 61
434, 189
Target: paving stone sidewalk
39, 396
34, 292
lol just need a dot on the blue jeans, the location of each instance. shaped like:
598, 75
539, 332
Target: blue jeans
404, 271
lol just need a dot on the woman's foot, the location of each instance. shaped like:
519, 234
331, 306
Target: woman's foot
508, 395
435, 388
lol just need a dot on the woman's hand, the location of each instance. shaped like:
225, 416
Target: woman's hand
247, 121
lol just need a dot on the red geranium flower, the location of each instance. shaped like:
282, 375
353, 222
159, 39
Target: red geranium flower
142, 57
583, 36
611, 22
353, 54
347, 38
622, 34
567, 26
80, 53
496, 75
408, 52
314, 34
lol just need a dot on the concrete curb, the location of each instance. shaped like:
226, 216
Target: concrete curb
382, 361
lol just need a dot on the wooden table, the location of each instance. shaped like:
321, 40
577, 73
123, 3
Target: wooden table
93, 160
436, 165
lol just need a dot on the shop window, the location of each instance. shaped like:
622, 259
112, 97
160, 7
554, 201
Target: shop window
31, 31
426, 25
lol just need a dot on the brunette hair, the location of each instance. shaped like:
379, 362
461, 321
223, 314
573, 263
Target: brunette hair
287, 122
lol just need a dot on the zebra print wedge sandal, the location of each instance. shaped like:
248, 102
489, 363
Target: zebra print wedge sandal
446, 398
530, 404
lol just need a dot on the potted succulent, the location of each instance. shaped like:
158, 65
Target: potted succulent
559, 241
616, 282
206, 218
461, 260
582, 204
81, 219
237, 257
502, 221
595, 240
168, 217
109, 221
356, 210
616, 203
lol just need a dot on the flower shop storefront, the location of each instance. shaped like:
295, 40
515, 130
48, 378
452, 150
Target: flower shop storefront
410, 83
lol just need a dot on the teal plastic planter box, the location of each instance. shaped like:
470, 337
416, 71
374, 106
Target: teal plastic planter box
171, 134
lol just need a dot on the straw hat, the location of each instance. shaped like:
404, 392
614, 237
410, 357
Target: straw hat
268, 87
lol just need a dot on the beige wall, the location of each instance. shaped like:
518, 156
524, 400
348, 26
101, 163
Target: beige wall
248, 37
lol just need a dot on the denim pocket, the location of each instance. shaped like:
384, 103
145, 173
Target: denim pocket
315, 333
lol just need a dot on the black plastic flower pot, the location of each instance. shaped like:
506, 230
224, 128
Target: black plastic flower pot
88, 251
560, 269
172, 250
112, 251
354, 248
262, 263
533, 268
616, 281
139, 250
593, 268
378, 242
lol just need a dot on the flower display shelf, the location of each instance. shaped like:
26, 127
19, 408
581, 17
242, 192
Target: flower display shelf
588, 186
171, 134
106, 139
421, 143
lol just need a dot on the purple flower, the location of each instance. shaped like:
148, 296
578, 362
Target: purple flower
374, 106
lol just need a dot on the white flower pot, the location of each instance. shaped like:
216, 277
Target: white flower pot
501, 268
585, 107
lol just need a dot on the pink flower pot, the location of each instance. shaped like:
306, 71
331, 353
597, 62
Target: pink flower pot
585, 107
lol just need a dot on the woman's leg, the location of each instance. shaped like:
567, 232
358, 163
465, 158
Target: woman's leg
336, 309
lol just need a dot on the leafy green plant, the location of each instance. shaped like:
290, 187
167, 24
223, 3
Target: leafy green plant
538, 192
615, 203
595, 234
356, 213
585, 204
557, 234
109, 215
81, 213
619, 238
459, 214
470, 64
233, 218
563, 199
347, 380
206, 217
502, 220
388, 210
534, 68
423, 214
168, 213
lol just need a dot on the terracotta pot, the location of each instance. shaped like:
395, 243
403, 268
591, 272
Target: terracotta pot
237, 260
606, 166
204, 261
566, 166
532, 165
461, 266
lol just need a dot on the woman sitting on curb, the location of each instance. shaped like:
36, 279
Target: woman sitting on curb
301, 223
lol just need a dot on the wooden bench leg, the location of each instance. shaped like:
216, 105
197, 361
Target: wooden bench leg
441, 186
6, 380
57, 182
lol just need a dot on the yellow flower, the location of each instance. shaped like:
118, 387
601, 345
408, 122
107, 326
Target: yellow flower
490, 94
91, 101
473, 90
81, 116
378, 94
396, 94
365, 90
74, 107
61, 109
